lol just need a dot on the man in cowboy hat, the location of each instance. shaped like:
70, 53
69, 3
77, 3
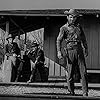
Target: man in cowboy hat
37, 57
75, 40
12, 51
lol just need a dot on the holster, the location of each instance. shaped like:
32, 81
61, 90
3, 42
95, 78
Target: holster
67, 55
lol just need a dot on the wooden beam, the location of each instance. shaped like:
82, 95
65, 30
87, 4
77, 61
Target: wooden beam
7, 28
17, 25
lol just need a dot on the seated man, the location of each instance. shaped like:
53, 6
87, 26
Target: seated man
37, 57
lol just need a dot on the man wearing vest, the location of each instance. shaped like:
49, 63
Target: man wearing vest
12, 53
75, 40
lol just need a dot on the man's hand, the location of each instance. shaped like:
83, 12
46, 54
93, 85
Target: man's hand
29, 81
14, 55
59, 55
86, 52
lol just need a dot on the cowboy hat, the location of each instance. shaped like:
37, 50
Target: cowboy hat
72, 12
9, 36
35, 44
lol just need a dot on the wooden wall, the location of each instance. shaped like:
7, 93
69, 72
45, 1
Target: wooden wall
91, 26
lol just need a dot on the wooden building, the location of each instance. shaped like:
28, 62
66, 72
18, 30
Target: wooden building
23, 21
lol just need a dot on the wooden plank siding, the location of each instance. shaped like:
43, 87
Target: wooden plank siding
50, 35
91, 27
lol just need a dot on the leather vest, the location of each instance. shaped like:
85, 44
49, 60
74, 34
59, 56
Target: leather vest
72, 37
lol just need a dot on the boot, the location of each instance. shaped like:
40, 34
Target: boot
32, 77
85, 94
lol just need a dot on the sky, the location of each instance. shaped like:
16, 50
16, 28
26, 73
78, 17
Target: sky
48, 4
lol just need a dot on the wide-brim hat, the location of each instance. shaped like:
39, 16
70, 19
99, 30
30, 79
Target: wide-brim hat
35, 44
72, 12
9, 36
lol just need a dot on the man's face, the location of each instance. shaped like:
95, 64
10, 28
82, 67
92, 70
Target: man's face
34, 48
10, 40
71, 19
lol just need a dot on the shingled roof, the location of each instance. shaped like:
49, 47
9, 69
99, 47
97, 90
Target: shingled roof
51, 12
19, 21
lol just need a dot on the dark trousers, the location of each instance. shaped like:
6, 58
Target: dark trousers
15, 65
36, 74
39, 73
76, 60
13, 73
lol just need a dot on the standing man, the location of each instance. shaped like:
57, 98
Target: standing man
75, 40
15, 58
7, 68
10, 65
12, 51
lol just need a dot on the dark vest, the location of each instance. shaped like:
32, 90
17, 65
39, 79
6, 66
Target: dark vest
72, 36
37, 54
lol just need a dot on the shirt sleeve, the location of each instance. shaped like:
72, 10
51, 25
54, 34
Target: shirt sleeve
6, 48
16, 49
83, 39
59, 39
40, 56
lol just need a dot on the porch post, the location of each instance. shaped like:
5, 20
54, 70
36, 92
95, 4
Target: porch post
7, 29
25, 44
6, 34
